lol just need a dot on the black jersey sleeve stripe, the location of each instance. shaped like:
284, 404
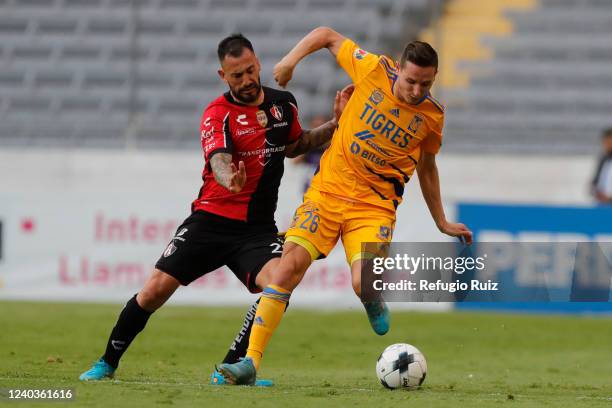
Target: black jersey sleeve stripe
292, 100
226, 132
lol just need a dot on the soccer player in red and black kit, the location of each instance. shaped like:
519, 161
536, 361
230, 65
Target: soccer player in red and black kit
246, 134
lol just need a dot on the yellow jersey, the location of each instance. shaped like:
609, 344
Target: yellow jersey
379, 139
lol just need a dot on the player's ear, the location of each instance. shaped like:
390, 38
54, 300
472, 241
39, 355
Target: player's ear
221, 74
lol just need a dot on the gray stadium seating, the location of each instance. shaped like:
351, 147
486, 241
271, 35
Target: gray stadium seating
548, 88
138, 73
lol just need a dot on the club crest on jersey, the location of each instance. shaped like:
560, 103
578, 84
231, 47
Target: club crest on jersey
262, 118
360, 54
415, 124
376, 97
277, 112
384, 233
170, 249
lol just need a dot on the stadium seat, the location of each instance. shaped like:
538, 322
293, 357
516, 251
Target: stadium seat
75, 59
550, 80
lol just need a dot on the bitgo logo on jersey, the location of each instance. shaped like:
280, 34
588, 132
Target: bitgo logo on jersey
356, 148
366, 154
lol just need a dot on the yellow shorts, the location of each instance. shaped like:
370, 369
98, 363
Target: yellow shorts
323, 218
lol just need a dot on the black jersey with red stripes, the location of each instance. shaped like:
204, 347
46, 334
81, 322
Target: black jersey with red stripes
257, 135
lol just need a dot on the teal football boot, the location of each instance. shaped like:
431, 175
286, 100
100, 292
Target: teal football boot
101, 369
217, 379
378, 315
241, 373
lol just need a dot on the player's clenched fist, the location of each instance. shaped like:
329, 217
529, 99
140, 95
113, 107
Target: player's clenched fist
282, 72
342, 98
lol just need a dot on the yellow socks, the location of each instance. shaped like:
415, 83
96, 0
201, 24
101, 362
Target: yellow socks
269, 314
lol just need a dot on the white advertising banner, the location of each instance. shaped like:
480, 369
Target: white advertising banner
103, 250
89, 225
87, 231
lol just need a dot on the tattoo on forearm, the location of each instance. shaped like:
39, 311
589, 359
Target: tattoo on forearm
313, 138
220, 165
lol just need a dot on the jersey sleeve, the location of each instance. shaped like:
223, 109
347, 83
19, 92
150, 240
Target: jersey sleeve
433, 142
215, 132
296, 128
357, 62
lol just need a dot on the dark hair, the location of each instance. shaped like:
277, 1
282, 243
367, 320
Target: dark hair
420, 53
606, 133
233, 45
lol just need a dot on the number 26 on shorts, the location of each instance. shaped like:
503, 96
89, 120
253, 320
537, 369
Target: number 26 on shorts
311, 223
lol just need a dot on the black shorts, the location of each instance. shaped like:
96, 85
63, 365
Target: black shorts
206, 242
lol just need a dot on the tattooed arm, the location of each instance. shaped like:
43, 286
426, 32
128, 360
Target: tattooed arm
226, 173
312, 139
317, 137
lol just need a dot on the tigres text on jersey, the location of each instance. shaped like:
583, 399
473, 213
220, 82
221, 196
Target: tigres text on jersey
379, 140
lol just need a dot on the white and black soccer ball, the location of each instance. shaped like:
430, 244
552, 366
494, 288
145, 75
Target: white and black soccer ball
401, 366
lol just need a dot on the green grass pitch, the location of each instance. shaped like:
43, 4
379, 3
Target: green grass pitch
316, 358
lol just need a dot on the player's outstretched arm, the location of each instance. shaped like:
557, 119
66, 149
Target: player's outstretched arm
429, 180
311, 139
320, 37
226, 173
314, 138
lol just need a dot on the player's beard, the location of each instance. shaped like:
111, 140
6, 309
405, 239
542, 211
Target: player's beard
249, 94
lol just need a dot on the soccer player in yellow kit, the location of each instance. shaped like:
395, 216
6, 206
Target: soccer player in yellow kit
391, 127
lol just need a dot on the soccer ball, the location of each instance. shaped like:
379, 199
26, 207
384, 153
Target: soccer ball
401, 366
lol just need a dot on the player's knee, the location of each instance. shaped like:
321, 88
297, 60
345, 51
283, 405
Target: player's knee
285, 280
291, 268
264, 277
146, 299
156, 291
287, 276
